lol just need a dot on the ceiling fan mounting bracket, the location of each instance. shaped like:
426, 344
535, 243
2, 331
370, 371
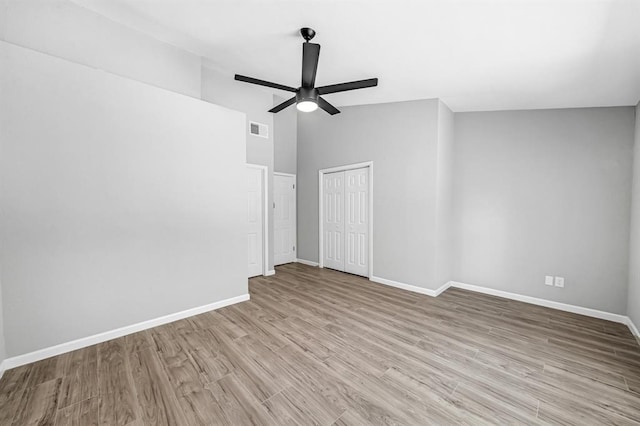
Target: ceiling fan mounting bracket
307, 33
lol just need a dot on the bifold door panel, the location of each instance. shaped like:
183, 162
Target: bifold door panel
333, 217
346, 221
357, 221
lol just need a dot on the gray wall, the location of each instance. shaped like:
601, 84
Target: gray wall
64, 29
285, 138
545, 192
633, 306
3, 351
123, 204
444, 195
402, 141
221, 89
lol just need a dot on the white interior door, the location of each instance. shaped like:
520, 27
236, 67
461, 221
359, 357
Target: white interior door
357, 221
333, 220
284, 222
255, 221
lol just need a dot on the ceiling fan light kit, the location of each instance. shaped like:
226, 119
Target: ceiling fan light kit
307, 106
307, 97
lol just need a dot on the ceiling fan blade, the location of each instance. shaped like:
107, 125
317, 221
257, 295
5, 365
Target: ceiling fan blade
264, 83
310, 55
327, 106
343, 87
283, 105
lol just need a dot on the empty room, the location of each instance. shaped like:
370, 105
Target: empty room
319, 212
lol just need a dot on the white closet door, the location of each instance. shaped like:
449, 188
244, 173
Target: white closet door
254, 217
284, 221
357, 221
333, 220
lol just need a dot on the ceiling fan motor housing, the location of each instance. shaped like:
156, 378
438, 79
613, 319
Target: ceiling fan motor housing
307, 94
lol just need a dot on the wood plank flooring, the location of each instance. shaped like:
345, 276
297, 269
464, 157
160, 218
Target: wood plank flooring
320, 347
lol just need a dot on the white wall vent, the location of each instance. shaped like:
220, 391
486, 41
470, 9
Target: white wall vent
259, 129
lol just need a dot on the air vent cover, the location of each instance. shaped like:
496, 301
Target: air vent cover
259, 129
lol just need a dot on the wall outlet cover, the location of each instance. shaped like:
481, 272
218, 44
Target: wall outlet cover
559, 282
548, 280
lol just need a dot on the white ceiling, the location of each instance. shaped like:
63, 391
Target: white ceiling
474, 54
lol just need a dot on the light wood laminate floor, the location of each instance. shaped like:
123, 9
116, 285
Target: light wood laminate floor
321, 347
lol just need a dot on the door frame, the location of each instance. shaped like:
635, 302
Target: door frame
295, 209
264, 172
321, 173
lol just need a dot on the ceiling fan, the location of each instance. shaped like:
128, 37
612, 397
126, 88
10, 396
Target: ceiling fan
307, 96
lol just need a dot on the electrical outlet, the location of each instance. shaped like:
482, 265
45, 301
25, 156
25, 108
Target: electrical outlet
559, 281
548, 280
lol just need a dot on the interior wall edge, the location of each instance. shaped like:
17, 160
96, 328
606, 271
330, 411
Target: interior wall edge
219, 88
633, 276
84, 342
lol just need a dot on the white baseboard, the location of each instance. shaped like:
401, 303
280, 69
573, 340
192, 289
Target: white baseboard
307, 262
269, 273
544, 302
623, 319
38, 355
2, 368
410, 287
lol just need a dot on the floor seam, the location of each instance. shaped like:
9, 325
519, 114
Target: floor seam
454, 389
338, 418
275, 394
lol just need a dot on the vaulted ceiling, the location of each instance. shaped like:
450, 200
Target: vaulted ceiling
473, 54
